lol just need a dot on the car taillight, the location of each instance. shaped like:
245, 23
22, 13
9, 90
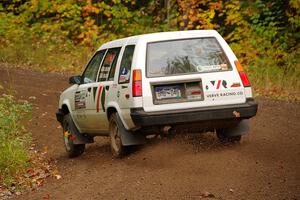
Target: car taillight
137, 83
242, 74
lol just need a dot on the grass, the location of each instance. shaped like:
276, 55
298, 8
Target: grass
277, 80
272, 77
55, 55
14, 139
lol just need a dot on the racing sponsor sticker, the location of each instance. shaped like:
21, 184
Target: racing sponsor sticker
235, 85
80, 99
217, 84
224, 94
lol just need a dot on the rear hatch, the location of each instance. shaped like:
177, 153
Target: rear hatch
189, 73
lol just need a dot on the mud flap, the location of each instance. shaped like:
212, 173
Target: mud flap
79, 138
128, 138
241, 129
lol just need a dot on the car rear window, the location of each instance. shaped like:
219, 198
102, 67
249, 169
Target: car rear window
185, 56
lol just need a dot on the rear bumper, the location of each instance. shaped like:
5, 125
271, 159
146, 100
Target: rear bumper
236, 111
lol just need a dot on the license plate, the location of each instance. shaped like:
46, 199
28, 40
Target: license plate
167, 92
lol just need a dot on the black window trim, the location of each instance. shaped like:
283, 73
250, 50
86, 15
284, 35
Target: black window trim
131, 64
97, 80
98, 73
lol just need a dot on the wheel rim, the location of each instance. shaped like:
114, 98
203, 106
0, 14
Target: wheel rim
115, 139
67, 135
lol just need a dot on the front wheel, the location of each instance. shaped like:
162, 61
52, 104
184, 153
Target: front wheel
73, 150
117, 147
225, 138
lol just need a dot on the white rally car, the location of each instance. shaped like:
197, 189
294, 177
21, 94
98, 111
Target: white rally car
157, 83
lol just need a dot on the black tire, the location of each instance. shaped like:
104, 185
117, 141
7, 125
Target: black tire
117, 148
224, 138
73, 150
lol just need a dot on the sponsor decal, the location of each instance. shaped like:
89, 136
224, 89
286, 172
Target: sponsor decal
114, 85
217, 84
109, 58
224, 94
80, 99
224, 66
235, 85
124, 75
210, 68
224, 83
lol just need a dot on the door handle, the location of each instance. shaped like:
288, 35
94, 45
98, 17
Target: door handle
107, 87
89, 89
124, 86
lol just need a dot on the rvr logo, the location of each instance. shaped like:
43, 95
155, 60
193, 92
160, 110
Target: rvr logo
217, 84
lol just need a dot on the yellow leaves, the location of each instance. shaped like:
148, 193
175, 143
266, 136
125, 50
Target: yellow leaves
86, 10
199, 14
34, 4
211, 14
107, 13
215, 5
89, 23
295, 4
182, 24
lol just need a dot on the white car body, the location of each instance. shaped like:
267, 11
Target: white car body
90, 104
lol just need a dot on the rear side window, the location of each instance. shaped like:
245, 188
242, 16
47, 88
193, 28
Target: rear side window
125, 68
92, 68
185, 57
108, 67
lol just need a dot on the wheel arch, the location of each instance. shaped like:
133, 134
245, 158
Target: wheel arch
65, 109
110, 111
114, 107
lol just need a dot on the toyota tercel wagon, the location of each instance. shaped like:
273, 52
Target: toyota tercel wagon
158, 83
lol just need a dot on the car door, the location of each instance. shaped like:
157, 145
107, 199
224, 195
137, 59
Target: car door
84, 94
96, 109
124, 88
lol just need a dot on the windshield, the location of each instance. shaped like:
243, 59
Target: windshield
185, 57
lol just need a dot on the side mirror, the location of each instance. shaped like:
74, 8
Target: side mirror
75, 80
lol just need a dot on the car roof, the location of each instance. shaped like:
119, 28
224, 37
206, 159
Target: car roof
160, 36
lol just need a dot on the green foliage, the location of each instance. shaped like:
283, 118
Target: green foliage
60, 35
13, 138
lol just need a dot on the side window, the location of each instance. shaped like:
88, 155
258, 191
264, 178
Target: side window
125, 67
90, 72
109, 64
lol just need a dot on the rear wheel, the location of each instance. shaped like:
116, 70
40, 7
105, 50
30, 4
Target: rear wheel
73, 150
224, 137
117, 148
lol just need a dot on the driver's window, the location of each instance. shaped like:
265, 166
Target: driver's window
90, 73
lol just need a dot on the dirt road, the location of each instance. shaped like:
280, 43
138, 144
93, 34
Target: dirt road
266, 165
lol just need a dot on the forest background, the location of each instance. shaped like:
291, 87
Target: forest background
61, 35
